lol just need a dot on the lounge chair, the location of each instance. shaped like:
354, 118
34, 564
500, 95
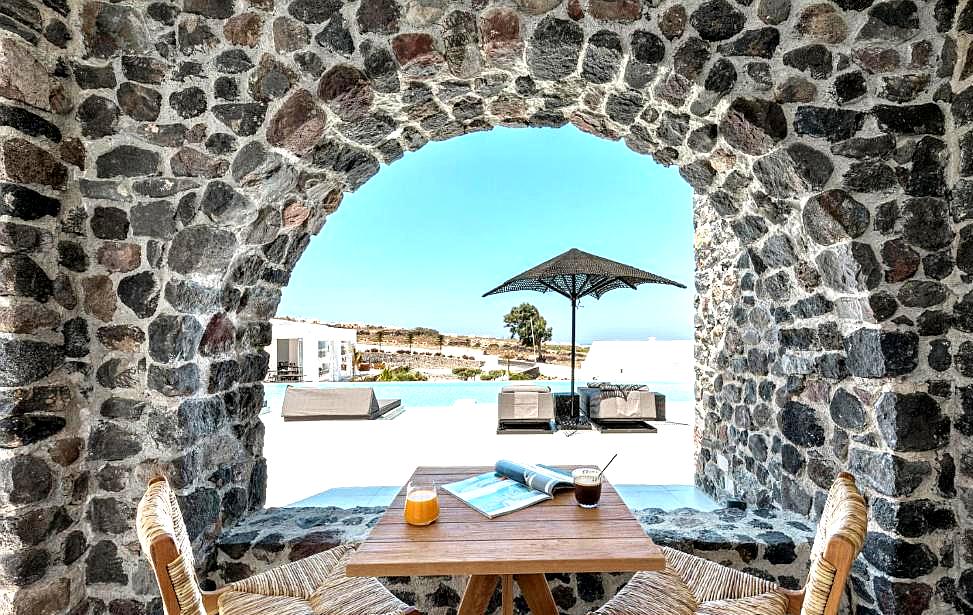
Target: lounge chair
348, 403
691, 585
622, 408
316, 584
525, 408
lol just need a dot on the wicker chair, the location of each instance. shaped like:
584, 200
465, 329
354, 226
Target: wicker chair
691, 585
315, 585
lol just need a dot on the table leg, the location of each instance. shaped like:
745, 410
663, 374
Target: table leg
507, 594
478, 592
537, 592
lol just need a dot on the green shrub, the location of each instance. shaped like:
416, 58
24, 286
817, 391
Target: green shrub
492, 374
465, 372
400, 374
521, 376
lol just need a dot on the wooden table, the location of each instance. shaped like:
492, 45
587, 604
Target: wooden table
553, 536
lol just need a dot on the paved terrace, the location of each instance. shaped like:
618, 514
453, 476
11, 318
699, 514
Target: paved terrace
305, 458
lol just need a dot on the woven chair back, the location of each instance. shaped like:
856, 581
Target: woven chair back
162, 534
839, 540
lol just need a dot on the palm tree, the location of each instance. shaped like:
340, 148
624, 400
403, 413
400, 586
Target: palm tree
441, 339
381, 336
410, 337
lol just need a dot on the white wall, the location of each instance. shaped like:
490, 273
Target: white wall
310, 334
639, 361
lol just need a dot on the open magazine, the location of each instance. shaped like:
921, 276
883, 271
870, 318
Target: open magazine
510, 487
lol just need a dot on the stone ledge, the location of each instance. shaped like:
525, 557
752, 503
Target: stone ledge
768, 543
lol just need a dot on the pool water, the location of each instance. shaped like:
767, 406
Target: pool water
437, 394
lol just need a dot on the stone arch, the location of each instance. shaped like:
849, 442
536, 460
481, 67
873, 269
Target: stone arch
165, 164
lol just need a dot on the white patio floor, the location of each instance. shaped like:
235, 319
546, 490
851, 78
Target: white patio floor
361, 463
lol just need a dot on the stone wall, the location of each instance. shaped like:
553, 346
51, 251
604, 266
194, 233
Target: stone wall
164, 163
419, 360
44, 340
768, 543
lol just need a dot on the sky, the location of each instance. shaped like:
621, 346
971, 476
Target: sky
422, 240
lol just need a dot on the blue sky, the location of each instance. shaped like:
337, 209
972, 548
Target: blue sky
423, 240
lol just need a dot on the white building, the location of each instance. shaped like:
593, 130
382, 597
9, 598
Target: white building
304, 351
650, 360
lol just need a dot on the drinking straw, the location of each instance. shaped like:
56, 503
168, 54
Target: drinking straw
607, 464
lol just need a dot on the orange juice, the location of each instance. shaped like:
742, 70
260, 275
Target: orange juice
421, 506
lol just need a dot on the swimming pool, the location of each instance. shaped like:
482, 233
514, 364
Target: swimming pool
437, 394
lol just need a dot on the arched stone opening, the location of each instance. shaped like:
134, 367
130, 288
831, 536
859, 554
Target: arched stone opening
165, 164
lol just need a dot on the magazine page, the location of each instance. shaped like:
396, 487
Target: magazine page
543, 478
494, 494
540, 478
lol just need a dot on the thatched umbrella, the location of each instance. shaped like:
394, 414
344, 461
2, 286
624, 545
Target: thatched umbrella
576, 274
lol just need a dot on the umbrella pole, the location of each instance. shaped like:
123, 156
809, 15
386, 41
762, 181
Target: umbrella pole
574, 310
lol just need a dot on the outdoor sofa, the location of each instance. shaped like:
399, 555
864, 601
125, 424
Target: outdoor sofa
624, 407
349, 403
525, 408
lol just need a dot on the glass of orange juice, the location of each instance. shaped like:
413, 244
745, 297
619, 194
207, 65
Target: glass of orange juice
421, 503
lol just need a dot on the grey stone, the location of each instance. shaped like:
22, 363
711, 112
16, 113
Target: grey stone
225, 205
189, 103
378, 16
887, 473
921, 293
873, 353
110, 28
773, 12
759, 43
191, 297
910, 119
174, 338
897, 557
244, 119
926, 223
201, 249
554, 48
140, 292
894, 20
815, 60
174, 382
313, 11
103, 565
98, 117
155, 219
753, 125
911, 421
141, 103
109, 442
717, 20
847, 411
831, 124
799, 424
26, 361
834, 216
127, 161
603, 57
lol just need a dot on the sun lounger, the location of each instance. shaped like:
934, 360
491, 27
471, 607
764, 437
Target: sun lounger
525, 408
623, 408
348, 403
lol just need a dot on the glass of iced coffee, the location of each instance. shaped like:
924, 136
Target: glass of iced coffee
587, 487
421, 503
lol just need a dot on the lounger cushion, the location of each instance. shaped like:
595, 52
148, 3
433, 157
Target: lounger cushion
690, 585
316, 585
525, 402
620, 404
526, 388
312, 403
